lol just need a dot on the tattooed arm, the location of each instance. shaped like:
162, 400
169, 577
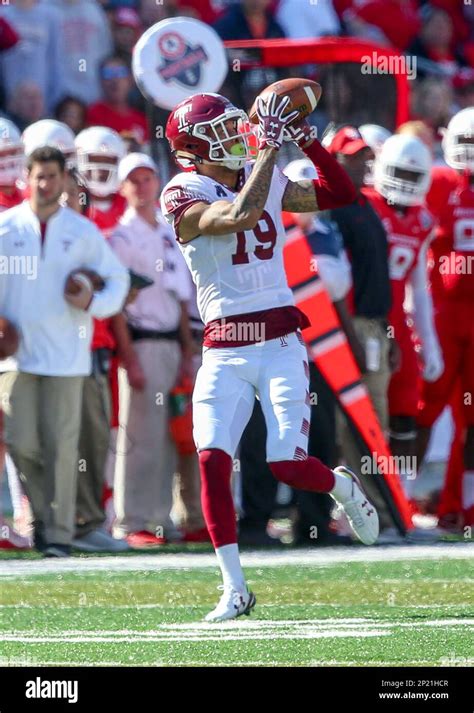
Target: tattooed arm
223, 217
300, 197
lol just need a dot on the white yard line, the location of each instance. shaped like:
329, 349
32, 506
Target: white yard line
244, 636
262, 663
241, 627
187, 606
162, 561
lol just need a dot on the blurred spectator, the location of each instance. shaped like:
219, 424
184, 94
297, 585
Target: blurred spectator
126, 29
307, 19
85, 41
434, 44
205, 10
250, 20
388, 22
463, 83
72, 112
8, 36
114, 4
37, 57
433, 102
26, 104
114, 110
151, 11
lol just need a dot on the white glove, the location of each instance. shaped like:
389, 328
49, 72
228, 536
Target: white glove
434, 364
272, 123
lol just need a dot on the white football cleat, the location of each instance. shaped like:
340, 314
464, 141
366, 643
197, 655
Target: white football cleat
232, 604
360, 512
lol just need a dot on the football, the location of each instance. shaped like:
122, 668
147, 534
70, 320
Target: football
9, 338
304, 96
83, 276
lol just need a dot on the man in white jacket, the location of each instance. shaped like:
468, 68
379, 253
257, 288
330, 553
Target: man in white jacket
40, 244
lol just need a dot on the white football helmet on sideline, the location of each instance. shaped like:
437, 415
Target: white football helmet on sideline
99, 152
402, 170
458, 140
49, 132
12, 157
374, 136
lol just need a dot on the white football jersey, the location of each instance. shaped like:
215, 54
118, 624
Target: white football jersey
239, 272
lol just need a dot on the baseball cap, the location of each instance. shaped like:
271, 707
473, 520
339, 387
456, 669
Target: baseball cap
347, 141
133, 161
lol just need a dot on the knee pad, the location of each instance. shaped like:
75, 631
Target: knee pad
403, 428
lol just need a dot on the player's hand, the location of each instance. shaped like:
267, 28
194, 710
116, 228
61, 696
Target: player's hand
434, 365
272, 121
300, 132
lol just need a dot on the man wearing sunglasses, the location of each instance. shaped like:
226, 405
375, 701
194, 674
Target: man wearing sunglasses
113, 110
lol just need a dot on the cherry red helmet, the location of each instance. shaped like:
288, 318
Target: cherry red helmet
198, 131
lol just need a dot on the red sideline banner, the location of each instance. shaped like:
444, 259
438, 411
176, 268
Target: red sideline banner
331, 353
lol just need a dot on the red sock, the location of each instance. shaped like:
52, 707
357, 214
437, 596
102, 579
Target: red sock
309, 474
216, 496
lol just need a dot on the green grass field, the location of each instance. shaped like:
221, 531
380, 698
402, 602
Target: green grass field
386, 612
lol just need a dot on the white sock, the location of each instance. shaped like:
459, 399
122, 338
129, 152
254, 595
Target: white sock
342, 489
468, 489
229, 563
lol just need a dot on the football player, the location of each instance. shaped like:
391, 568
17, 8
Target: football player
451, 198
226, 214
401, 181
49, 132
99, 152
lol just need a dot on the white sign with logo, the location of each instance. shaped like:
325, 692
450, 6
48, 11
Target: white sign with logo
176, 58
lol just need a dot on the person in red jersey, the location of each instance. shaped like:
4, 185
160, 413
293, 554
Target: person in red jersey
452, 199
11, 167
226, 213
114, 111
401, 181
